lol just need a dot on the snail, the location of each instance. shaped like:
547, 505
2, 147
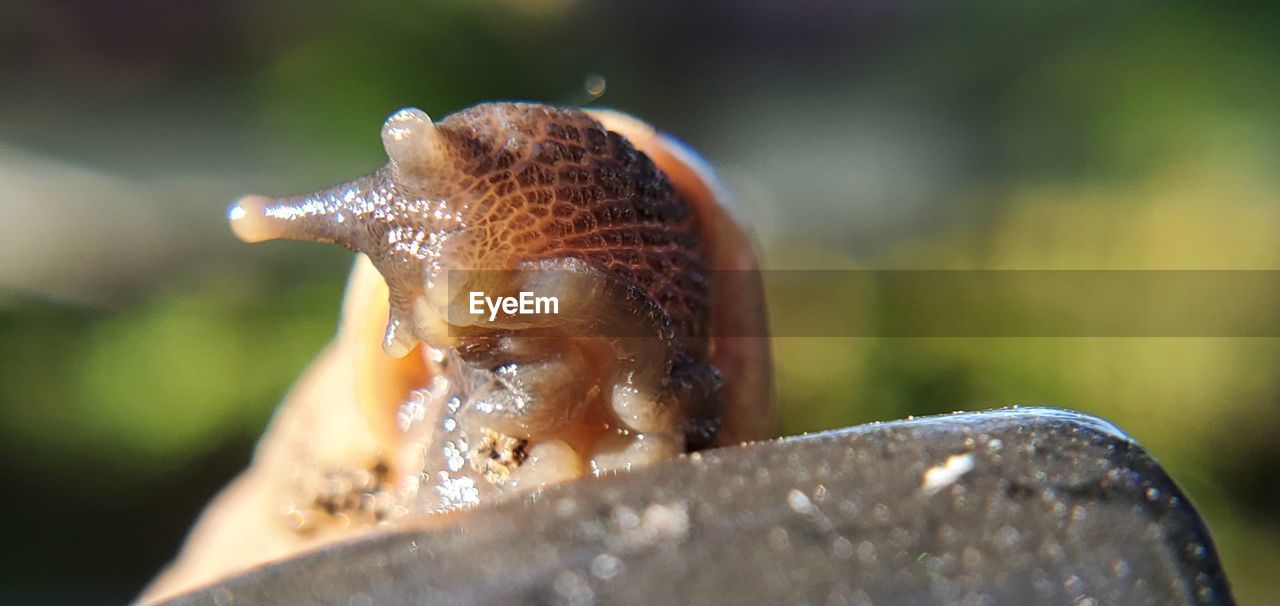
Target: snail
421, 408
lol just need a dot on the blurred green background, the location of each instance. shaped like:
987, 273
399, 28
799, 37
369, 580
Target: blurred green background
142, 348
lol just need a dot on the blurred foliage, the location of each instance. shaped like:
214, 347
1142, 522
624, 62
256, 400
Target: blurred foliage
980, 135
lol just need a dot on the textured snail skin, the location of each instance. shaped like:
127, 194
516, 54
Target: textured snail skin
622, 219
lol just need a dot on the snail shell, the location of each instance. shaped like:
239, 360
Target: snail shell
418, 408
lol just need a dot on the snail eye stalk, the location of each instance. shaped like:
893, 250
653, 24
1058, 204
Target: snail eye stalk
329, 216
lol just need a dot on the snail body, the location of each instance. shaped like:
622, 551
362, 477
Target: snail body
654, 349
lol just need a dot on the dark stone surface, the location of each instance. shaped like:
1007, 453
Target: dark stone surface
1024, 506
